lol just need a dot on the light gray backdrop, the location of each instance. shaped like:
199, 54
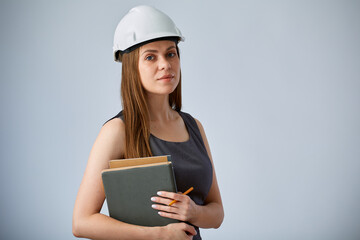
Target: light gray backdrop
275, 83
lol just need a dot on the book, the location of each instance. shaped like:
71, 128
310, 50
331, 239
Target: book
128, 189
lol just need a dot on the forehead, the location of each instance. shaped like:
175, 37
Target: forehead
157, 45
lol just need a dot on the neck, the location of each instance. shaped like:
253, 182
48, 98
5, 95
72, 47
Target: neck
159, 108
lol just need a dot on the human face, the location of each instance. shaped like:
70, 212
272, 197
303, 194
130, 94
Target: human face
159, 67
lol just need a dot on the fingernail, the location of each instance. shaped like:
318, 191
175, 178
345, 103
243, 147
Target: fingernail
153, 199
159, 193
153, 206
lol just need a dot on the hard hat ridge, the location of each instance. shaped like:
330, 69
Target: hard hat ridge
141, 25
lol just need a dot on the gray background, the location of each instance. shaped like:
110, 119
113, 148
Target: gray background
275, 83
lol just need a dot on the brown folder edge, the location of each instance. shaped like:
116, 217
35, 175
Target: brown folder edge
136, 166
116, 163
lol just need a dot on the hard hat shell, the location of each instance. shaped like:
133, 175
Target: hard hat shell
141, 24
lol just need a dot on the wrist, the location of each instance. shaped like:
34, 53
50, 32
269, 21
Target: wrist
196, 214
156, 233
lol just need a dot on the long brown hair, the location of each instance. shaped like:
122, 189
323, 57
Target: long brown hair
135, 108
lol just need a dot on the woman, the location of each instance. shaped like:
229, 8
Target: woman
151, 124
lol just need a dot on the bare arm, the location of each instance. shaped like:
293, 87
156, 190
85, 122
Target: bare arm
211, 215
87, 220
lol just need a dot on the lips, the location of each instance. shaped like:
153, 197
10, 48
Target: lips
167, 77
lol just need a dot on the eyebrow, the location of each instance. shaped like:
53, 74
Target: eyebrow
156, 51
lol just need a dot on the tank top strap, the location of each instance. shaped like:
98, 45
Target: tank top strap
119, 115
193, 128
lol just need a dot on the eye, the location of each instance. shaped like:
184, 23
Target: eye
171, 54
149, 58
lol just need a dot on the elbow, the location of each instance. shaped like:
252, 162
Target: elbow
220, 220
218, 224
76, 228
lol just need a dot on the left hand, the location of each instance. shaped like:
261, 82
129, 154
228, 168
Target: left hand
185, 209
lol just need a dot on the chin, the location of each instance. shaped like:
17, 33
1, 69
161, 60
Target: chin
162, 90
159, 93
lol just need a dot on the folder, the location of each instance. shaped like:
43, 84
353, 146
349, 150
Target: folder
130, 184
117, 163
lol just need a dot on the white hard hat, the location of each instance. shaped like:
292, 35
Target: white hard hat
142, 24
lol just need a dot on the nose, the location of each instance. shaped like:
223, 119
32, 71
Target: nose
164, 63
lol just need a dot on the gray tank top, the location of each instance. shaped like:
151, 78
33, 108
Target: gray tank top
192, 166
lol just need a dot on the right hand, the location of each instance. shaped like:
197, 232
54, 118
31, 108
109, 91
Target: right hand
178, 231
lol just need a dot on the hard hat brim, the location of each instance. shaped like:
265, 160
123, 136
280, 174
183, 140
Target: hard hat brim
118, 54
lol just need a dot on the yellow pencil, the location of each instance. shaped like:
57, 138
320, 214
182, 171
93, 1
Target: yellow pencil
186, 192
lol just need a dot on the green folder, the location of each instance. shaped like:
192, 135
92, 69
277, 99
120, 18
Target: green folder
128, 191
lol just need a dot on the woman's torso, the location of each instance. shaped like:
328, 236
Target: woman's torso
192, 166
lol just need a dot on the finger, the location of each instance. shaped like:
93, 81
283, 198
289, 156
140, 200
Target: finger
164, 201
190, 229
171, 195
172, 216
165, 208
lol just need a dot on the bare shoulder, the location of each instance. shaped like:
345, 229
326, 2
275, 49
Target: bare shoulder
111, 138
114, 126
